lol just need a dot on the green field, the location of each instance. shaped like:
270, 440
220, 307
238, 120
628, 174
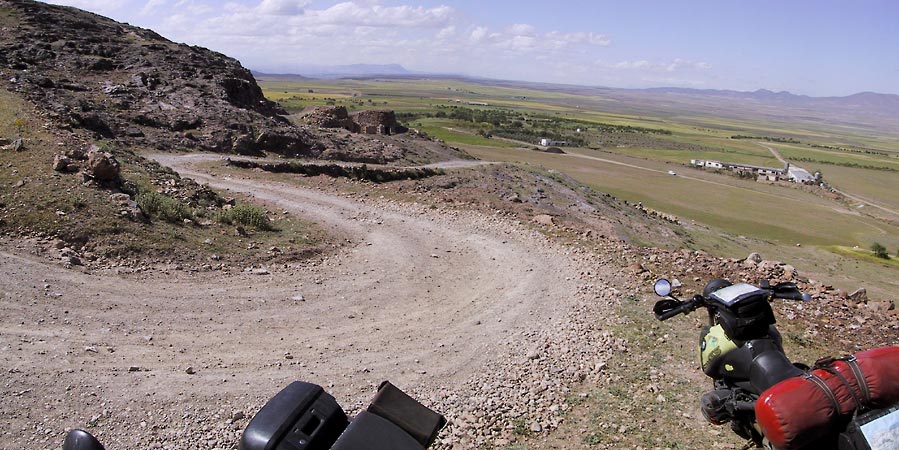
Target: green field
730, 215
450, 131
740, 207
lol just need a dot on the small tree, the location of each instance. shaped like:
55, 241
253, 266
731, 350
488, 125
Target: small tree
879, 251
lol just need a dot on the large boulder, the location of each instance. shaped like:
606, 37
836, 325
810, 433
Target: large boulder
103, 166
61, 163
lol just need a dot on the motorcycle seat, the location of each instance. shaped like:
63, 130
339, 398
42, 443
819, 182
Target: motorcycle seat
769, 368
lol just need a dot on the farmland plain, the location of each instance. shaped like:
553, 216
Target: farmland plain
628, 149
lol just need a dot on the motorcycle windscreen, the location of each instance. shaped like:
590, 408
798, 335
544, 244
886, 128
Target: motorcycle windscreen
882, 433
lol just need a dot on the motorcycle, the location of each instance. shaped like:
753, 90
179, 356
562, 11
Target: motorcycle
775, 403
302, 416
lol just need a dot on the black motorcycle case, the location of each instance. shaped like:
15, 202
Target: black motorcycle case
300, 417
370, 431
743, 311
393, 421
419, 421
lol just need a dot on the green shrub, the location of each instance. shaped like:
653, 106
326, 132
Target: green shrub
247, 215
879, 251
162, 207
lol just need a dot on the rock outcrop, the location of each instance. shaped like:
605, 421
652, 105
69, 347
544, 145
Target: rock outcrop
129, 84
101, 79
103, 166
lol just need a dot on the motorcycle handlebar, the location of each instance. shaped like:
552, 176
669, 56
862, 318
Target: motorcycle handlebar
795, 295
787, 291
684, 308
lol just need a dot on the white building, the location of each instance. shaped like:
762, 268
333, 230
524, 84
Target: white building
801, 175
768, 173
704, 163
547, 142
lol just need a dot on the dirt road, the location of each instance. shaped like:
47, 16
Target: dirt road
429, 299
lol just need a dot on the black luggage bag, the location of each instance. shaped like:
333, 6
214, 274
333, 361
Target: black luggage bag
393, 421
300, 417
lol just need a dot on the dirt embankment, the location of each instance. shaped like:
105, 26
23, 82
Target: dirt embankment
433, 300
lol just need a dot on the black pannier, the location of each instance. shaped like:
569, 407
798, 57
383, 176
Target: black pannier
419, 421
369, 431
300, 417
393, 421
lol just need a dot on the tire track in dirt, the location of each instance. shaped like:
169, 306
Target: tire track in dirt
425, 298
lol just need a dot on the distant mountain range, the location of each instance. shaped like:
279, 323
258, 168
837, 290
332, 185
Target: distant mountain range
885, 103
864, 109
348, 71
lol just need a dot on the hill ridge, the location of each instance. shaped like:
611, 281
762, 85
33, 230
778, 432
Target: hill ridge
117, 81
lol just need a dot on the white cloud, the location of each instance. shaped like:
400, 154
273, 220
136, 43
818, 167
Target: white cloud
479, 34
642, 64
599, 40
526, 40
447, 32
152, 7
282, 7
675, 65
104, 7
521, 29
358, 14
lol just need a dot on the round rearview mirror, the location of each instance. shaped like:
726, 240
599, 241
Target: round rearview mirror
662, 287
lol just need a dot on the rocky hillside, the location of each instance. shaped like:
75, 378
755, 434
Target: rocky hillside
129, 84
79, 91
112, 81
104, 80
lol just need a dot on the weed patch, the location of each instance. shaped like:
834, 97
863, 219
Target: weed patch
163, 207
521, 428
247, 215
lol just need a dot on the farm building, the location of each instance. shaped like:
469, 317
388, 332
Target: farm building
766, 173
789, 172
704, 163
546, 142
801, 175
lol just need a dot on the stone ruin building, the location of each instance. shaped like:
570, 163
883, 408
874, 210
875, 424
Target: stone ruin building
366, 122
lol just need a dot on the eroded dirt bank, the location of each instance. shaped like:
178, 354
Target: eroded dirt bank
475, 314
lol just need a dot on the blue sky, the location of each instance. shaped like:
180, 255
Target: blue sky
818, 48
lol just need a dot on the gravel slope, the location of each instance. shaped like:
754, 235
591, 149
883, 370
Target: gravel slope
478, 316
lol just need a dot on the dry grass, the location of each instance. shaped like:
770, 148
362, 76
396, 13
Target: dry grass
35, 200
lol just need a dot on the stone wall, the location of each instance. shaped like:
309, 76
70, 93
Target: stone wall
364, 122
